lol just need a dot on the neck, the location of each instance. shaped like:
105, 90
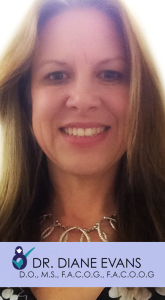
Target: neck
82, 200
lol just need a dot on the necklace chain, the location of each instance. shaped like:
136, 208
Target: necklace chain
84, 231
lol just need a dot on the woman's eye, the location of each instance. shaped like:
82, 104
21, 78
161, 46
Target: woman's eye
57, 77
110, 75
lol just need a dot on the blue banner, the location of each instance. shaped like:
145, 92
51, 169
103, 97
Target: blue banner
82, 264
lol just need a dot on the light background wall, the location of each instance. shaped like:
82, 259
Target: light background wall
149, 13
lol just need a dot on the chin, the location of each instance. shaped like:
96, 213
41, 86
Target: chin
85, 168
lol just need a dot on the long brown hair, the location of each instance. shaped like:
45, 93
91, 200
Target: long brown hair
140, 182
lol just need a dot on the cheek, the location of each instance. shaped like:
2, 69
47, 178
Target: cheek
118, 102
45, 105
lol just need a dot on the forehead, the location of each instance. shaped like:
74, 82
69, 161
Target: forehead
78, 31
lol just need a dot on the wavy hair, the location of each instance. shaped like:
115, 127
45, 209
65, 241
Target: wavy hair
25, 189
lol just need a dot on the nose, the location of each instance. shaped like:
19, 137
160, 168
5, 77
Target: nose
83, 96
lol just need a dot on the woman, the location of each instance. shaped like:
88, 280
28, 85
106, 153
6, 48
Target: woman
83, 125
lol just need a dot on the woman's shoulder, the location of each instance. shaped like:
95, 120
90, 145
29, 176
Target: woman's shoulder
106, 294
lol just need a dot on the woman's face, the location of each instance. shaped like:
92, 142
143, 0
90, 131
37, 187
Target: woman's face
80, 92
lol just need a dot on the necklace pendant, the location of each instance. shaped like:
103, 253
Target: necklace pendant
64, 235
84, 231
84, 234
47, 232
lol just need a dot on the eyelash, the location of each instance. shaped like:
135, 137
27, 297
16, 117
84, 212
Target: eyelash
57, 77
60, 77
111, 75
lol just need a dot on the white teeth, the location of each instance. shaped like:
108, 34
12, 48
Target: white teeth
70, 131
74, 131
80, 132
94, 131
84, 132
88, 132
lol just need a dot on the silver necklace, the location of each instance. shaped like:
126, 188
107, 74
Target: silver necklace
84, 231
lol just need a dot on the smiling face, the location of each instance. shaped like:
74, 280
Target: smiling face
80, 92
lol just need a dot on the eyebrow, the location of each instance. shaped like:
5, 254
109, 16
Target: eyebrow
62, 63
120, 58
51, 61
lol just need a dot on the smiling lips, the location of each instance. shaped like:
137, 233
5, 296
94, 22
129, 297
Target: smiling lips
84, 132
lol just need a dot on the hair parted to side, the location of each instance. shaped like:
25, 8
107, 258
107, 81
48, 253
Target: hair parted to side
140, 183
